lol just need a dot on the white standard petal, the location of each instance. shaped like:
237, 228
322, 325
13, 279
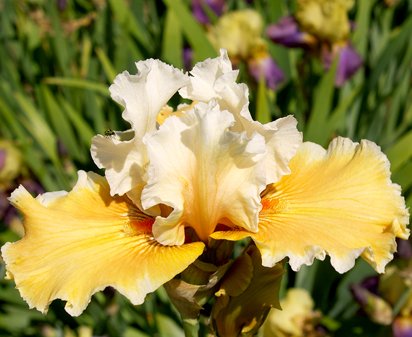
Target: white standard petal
215, 79
205, 173
143, 95
282, 142
124, 161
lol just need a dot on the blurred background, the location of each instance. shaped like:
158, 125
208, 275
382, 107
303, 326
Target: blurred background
341, 67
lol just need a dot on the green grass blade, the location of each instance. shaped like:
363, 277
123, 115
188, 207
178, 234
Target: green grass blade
400, 152
262, 104
172, 43
78, 83
322, 105
194, 33
37, 127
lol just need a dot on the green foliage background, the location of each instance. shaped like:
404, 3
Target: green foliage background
55, 69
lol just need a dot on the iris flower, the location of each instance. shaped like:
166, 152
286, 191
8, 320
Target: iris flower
322, 27
210, 167
240, 33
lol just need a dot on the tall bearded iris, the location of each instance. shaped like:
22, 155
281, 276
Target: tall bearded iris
180, 179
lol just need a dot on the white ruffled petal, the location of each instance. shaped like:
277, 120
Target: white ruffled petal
206, 173
124, 161
282, 141
144, 94
215, 79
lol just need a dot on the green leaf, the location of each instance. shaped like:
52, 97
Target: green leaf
168, 327
106, 64
37, 126
344, 297
262, 103
78, 83
403, 176
84, 131
172, 44
400, 152
361, 34
322, 105
125, 17
194, 33
395, 45
61, 124
131, 332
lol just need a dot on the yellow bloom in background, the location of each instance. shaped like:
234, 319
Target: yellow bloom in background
239, 32
296, 318
177, 179
10, 163
326, 19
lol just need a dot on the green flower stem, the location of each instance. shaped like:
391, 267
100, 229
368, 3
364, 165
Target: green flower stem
191, 327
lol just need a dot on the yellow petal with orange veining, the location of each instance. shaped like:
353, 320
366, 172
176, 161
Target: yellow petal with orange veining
339, 202
80, 242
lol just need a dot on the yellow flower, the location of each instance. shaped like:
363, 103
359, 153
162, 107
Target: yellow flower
10, 162
296, 311
175, 180
239, 32
325, 19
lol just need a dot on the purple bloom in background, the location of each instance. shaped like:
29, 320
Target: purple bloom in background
2, 158
187, 58
287, 33
7, 212
404, 250
349, 63
62, 4
198, 9
264, 66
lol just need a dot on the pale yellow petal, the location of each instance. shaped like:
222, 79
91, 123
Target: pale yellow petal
82, 242
339, 202
206, 173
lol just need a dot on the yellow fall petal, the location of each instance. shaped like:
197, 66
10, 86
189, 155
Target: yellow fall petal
339, 202
80, 242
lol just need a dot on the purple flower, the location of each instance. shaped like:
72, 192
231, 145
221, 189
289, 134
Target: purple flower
198, 9
349, 62
187, 58
287, 32
264, 66
404, 250
3, 154
62, 4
